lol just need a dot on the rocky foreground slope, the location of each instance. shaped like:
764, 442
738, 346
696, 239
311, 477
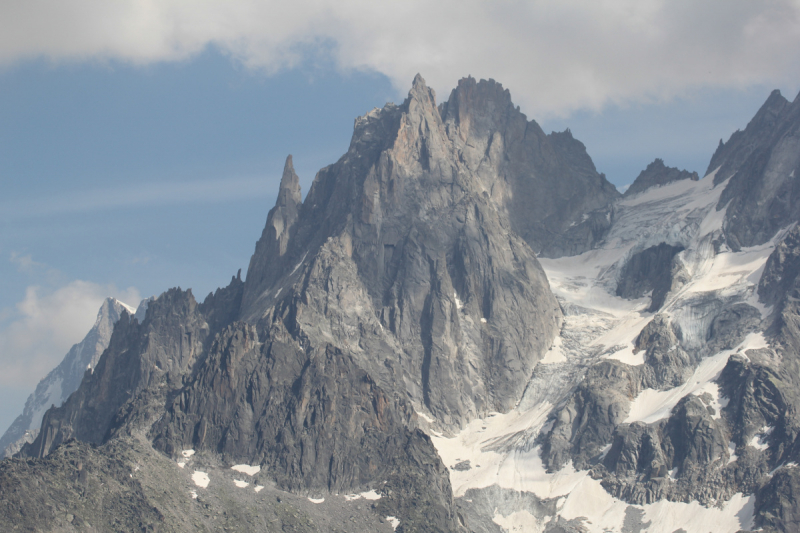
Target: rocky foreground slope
398, 357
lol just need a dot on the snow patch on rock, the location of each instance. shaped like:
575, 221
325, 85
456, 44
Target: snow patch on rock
368, 495
201, 479
247, 469
651, 405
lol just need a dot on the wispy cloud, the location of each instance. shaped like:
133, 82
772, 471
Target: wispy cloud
139, 195
24, 262
556, 56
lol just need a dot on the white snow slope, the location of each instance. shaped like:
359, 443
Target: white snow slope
598, 324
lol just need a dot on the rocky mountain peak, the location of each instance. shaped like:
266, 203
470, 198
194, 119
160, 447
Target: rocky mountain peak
657, 174
63, 380
420, 92
277, 233
404, 295
477, 108
289, 194
738, 147
770, 112
761, 165
544, 183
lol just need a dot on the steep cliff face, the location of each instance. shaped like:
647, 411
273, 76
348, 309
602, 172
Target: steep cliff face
546, 183
762, 164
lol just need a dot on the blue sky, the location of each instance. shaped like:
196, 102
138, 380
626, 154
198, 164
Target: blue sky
147, 157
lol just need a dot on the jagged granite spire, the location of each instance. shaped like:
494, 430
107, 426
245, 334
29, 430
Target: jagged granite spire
275, 237
284, 215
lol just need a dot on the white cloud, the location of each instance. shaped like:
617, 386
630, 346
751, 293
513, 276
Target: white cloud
35, 336
556, 56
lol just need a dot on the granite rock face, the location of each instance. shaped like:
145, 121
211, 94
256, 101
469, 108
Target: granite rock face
656, 174
761, 165
153, 355
587, 421
546, 183
649, 271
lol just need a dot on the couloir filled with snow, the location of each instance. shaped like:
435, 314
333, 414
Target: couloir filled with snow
598, 324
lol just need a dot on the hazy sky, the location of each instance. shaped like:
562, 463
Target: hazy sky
141, 143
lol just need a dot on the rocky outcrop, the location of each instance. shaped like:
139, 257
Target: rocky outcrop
546, 183
63, 380
150, 355
666, 363
649, 271
657, 174
778, 502
781, 270
761, 165
586, 423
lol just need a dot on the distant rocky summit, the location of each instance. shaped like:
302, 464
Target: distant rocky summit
462, 327
657, 174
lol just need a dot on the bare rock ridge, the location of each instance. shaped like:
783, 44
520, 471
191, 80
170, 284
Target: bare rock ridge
761, 164
546, 183
649, 271
657, 174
